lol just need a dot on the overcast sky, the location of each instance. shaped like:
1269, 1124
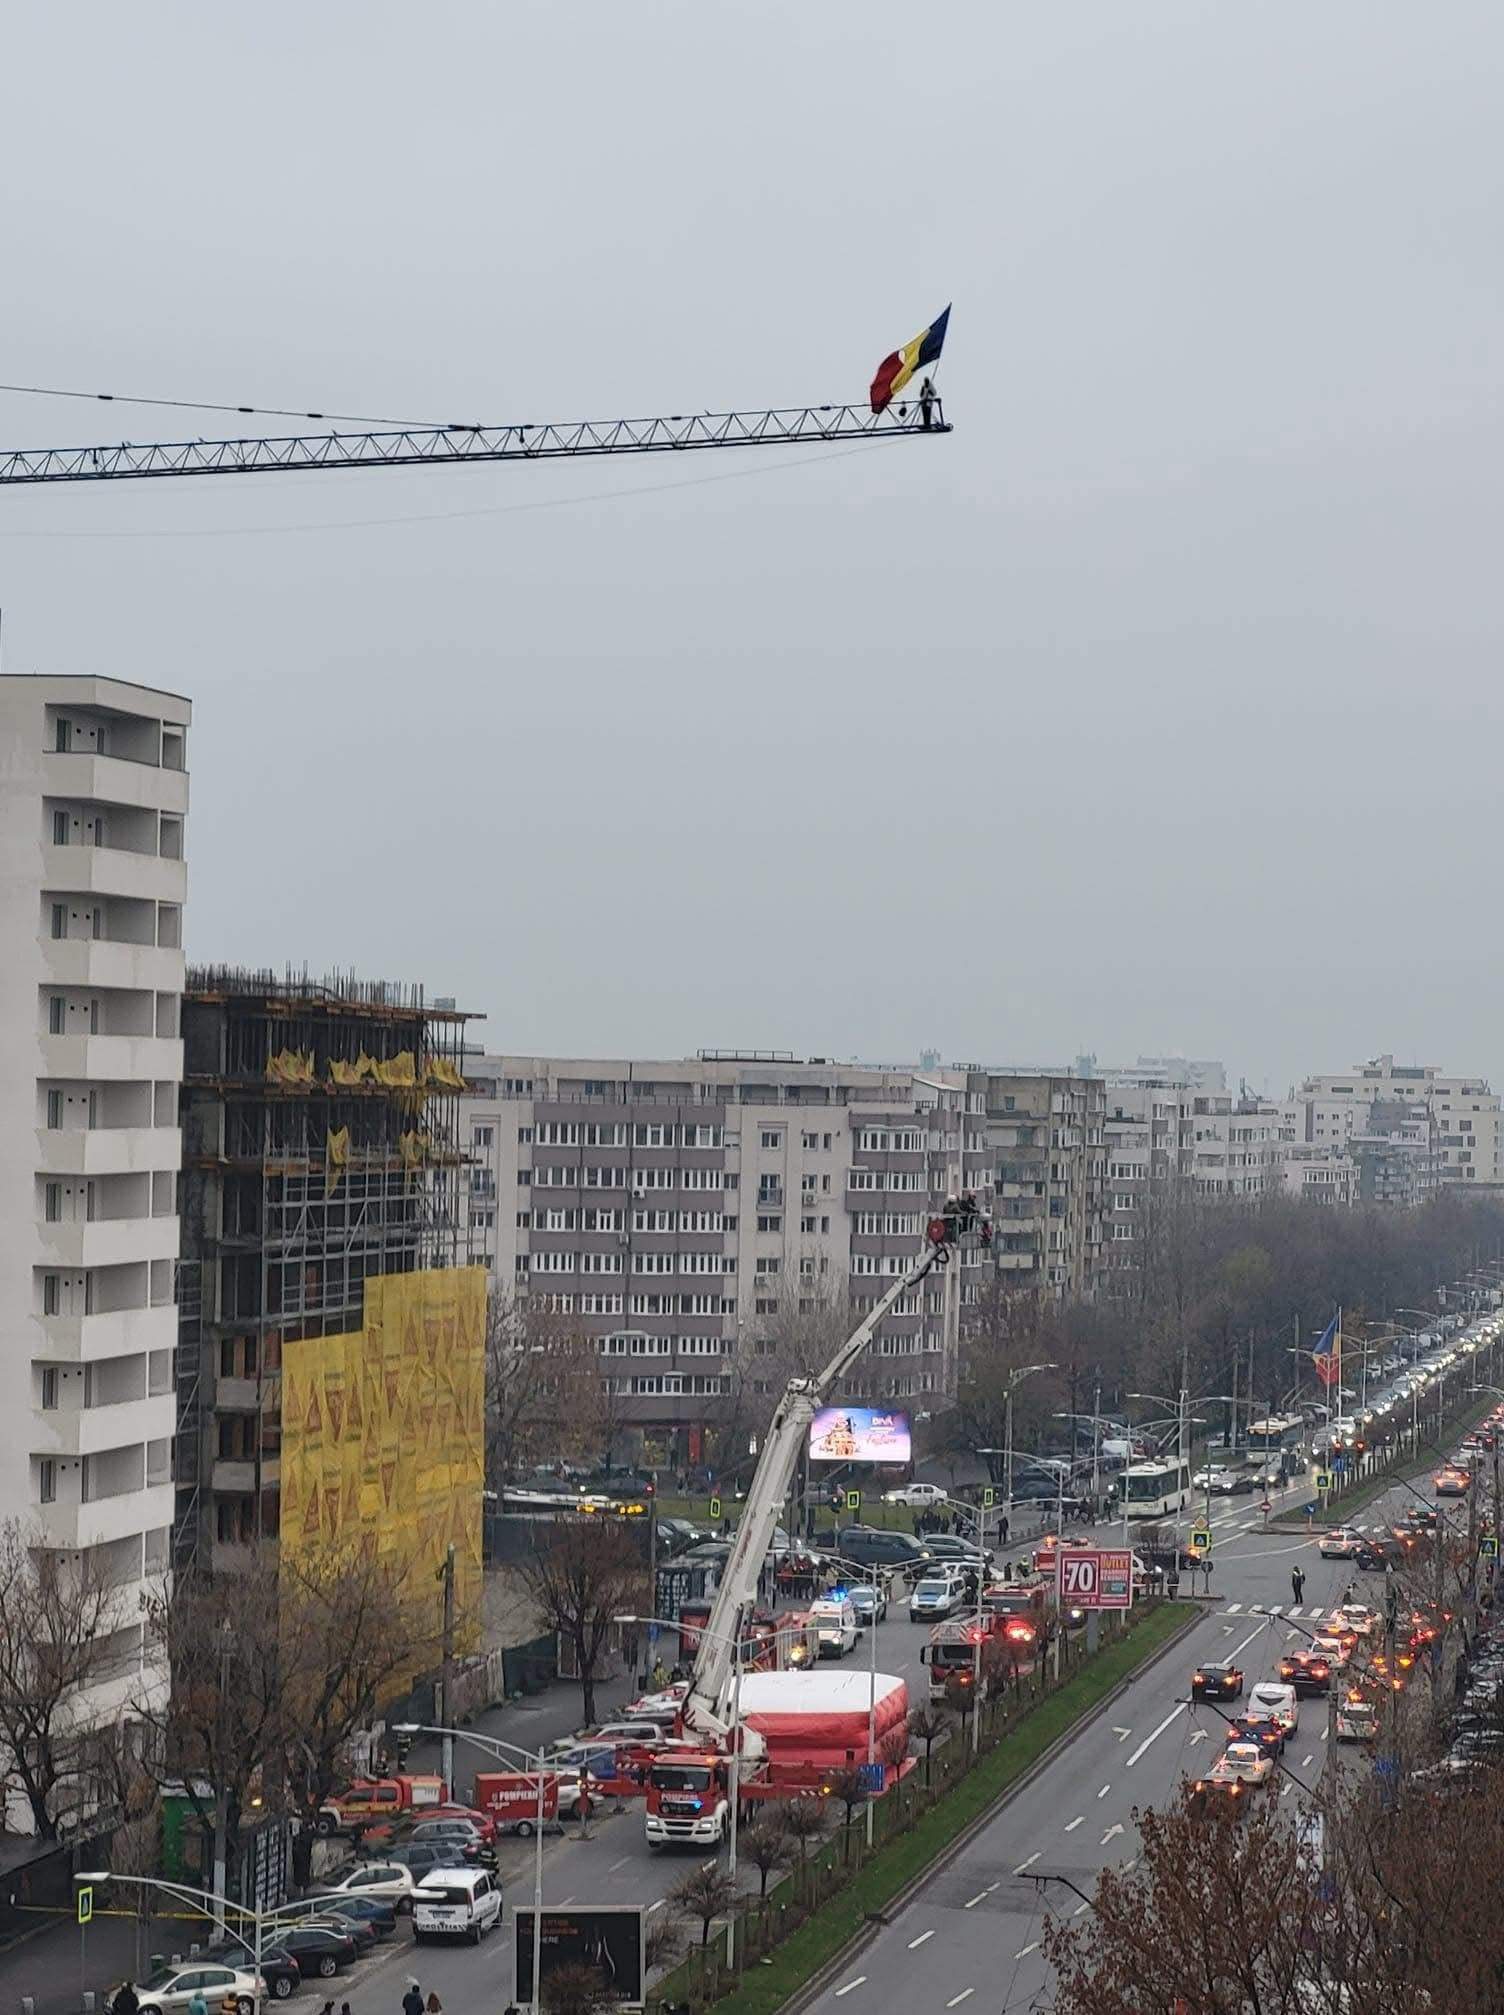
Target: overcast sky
1156, 708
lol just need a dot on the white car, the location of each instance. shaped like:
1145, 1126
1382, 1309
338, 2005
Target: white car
170, 1988
1341, 1544
939, 1594
836, 1625
1331, 1648
922, 1496
1247, 1761
1356, 1616
1271, 1700
388, 1881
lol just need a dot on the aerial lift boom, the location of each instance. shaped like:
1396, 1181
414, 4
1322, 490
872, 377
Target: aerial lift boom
707, 1707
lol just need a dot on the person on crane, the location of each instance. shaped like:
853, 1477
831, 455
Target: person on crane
926, 403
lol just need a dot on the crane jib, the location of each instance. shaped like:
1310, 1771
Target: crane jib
789, 426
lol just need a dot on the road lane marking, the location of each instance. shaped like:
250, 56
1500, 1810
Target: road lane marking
1027, 1949
1079, 1820
1121, 1733
1201, 1735
972, 1902
991, 1886
1080, 1909
1284, 1789
1023, 1866
1323, 1734
1174, 1714
956, 1999
618, 1864
1232, 1609
1104, 1791
1249, 1638
1307, 1759
850, 1985
915, 1943
1111, 1834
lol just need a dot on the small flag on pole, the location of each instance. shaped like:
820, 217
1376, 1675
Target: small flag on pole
894, 372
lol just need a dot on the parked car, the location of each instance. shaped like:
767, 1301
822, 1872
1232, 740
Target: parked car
381, 1916
391, 1881
167, 1989
460, 1838
318, 1950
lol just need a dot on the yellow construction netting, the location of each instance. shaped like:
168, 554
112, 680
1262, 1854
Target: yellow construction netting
397, 1071
336, 1157
411, 1148
290, 1067
441, 1071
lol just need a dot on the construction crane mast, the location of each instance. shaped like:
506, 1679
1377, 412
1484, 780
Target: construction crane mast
414, 447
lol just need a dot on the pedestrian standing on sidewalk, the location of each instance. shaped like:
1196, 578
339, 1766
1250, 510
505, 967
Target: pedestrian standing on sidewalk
1005, 1528
1298, 1584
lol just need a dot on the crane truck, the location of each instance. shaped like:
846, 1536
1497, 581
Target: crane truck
719, 1762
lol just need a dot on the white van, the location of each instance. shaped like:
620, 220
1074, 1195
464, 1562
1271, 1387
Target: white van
836, 1626
1271, 1701
456, 1903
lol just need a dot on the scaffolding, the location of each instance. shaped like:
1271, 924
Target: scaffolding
320, 1150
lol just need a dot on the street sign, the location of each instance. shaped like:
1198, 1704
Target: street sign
1323, 1481
1201, 1539
853, 1500
715, 1507
1094, 1577
989, 1497
872, 1776
1488, 1546
85, 1904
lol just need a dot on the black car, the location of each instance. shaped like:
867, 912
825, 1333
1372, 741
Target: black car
867, 1546
1216, 1681
360, 1930
375, 1911
1306, 1671
1269, 1735
1374, 1555
278, 1970
317, 1949
950, 1547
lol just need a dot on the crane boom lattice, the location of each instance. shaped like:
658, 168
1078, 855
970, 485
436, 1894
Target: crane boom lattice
677, 433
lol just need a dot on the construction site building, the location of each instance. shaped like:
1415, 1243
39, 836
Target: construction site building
319, 1153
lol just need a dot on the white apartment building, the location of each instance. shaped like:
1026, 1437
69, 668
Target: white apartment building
92, 885
1463, 1111
684, 1211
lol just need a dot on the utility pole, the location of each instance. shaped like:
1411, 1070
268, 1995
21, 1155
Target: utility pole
226, 1647
446, 1683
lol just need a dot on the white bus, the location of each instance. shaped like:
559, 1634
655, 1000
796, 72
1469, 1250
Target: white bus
1154, 1489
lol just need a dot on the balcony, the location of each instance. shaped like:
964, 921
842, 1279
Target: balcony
92, 1430
111, 962
114, 871
108, 1150
73, 1525
112, 1059
89, 1339
107, 1241
113, 780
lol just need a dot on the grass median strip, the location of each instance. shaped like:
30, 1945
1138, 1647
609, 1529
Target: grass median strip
766, 1986
1341, 1509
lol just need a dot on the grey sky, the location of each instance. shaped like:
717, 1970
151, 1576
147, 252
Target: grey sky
1158, 707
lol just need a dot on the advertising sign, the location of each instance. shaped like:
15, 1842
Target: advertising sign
1094, 1577
606, 1937
858, 1434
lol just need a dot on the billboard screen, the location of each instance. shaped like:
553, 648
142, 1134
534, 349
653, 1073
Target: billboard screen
607, 1938
858, 1434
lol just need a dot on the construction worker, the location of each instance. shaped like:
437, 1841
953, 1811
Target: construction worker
926, 404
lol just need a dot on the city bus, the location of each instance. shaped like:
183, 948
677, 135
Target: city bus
1155, 1489
1281, 1438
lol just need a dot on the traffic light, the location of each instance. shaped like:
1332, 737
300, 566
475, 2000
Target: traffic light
404, 1748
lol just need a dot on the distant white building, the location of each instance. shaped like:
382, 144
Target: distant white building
1380, 1096
92, 884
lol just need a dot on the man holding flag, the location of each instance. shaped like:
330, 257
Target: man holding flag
895, 371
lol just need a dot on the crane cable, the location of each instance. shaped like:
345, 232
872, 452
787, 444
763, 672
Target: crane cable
210, 406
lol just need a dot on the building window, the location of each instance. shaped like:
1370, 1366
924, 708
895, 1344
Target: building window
49, 1387
59, 920
54, 1109
769, 1223
772, 1138
52, 1293
482, 1136
53, 1202
46, 1480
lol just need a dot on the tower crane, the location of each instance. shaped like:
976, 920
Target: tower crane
407, 447
708, 1705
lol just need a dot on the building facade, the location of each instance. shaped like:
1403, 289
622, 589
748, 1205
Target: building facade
1047, 1145
319, 1157
691, 1214
93, 880
1463, 1113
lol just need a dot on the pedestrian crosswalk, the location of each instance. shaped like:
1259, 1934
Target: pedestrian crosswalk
1276, 1609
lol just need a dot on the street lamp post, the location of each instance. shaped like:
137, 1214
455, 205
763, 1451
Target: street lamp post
217, 1913
1015, 1378
492, 1745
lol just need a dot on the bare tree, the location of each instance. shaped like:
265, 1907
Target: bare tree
805, 1821
849, 1787
704, 1894
522, 1413
768, 1845
581, 1574
927, 1724
55, 1619
575, 1989
354, 1637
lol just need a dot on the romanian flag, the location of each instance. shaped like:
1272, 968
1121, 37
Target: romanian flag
1327, 1356
894, 372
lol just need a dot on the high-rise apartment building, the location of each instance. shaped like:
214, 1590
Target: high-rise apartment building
92, 885
689, 1213
1047, 1143
1463, 1111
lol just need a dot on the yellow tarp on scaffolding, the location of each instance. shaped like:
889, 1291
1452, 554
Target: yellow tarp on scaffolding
411, 1147
290, 1067
441, 1071
343, 1072
399, 1070
336, 1157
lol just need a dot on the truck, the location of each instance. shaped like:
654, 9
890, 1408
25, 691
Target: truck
511, 1797
960, 1652
377, 1800
688, 1797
